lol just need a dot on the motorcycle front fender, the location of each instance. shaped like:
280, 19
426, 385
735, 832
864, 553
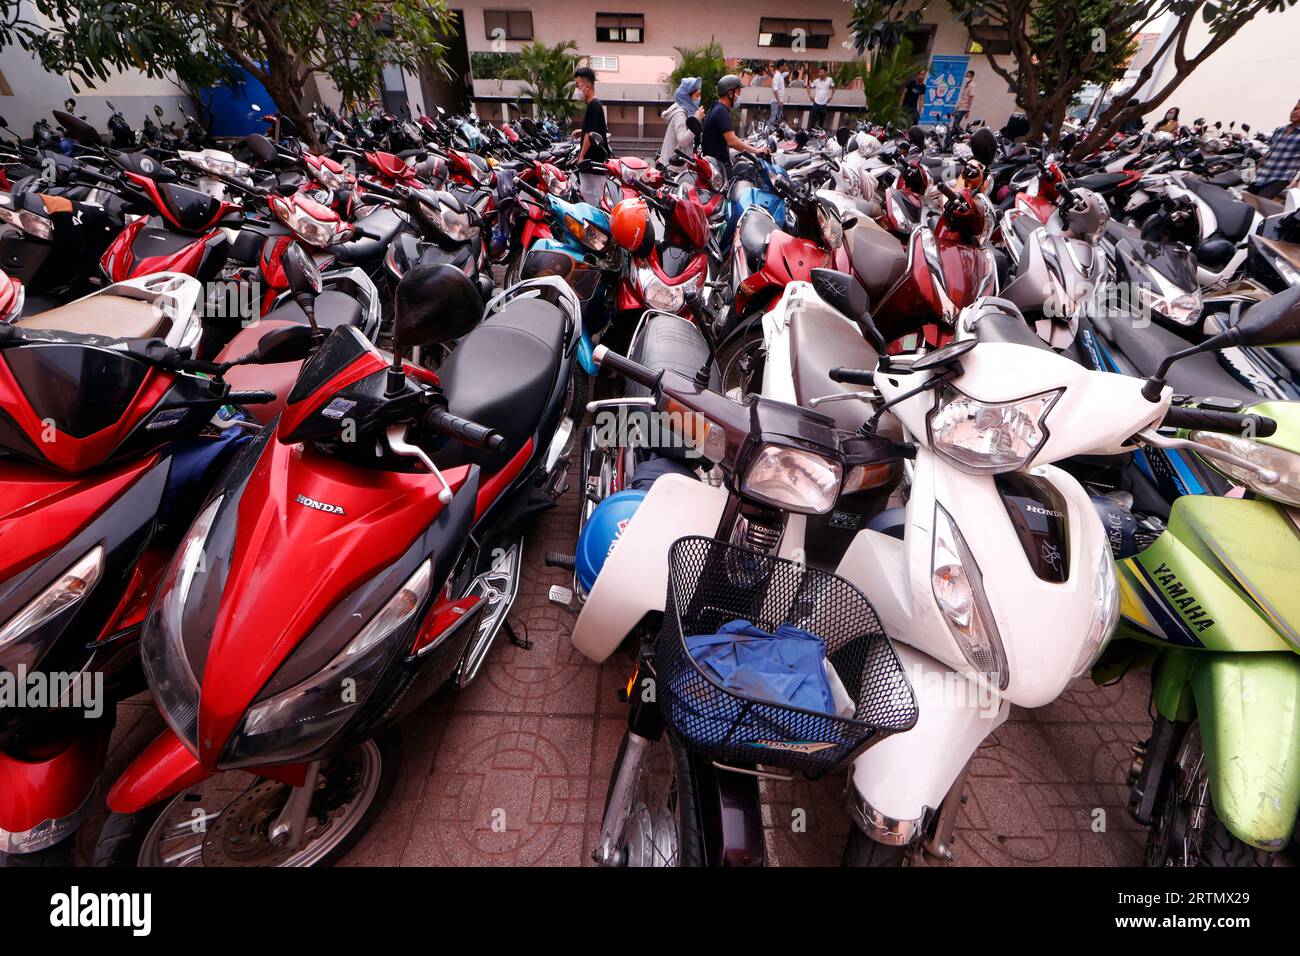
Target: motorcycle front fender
164, 769
634, 578
1249, 711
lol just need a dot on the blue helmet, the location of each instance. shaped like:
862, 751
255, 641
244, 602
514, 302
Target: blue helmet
602, 530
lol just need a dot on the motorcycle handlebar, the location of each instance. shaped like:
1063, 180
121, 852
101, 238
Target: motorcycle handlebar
852, 376
253, 397
624, 366
443, 422
1230, 422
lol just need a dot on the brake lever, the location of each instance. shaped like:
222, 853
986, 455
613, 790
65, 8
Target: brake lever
1266, 476
396, 435
867, 397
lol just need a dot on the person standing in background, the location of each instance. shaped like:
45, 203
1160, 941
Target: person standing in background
1281, 163
718, 138
686, 103
912, 94
593, 122
821, 89
778, 92
964, 100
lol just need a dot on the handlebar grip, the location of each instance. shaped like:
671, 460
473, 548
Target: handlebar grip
443, 422
529, 189
624, 366
370, 186
253, 397
852, 376
1230, 422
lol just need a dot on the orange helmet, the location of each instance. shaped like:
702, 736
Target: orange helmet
630, 225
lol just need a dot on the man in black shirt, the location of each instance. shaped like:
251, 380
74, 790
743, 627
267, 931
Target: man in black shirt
912, 93
593, 121
718, 132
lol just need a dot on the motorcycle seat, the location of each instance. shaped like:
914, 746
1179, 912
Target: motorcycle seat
385, 223
820, 341
1099, 182
277, 379
1265, 207
755, 230
1233, 215
1024, 226
332, 309
1199, 375
109, 315
501, 375
879, 259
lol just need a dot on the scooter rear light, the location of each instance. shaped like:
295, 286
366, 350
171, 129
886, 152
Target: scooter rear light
445, 619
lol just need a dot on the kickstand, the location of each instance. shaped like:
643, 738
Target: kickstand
515, 639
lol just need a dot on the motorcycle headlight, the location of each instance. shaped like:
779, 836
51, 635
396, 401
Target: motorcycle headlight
29, 222
958, 588
216, 166
793, 479
330, 179
20, 645
989, 437
587, 233
162, 642
660, 295
314, 231
832, 229
454, 225
299, 720
1285, 464
1105, 613
1173, 303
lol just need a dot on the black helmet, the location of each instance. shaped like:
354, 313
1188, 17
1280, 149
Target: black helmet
728, 83
435, 303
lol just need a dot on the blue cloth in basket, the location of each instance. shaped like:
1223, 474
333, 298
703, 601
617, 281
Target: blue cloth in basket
787, 667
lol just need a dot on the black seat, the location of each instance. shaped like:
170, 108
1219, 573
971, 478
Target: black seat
1024, 226
332, 310
1000, 321
1199, 375
501, 375
1099, 182
385, 223
755, 229
1233, 215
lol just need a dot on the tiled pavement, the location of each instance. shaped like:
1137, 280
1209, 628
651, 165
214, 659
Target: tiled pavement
513, 770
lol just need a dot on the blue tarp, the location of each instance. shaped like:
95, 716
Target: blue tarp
232, 105
785, 667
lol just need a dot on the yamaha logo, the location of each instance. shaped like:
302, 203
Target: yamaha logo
319, 505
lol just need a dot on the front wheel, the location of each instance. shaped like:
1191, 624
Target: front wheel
861, 850
226, 819
1185, 831
740, 364
660, 826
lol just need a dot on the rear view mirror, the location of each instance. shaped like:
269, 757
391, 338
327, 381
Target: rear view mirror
77, 128
916, 136
842, 136
694, 125
1275, 321
263, 149
289, 343
69, 104
801, 138
597, 140
984, 145
300, 271
158, 111
844, 293
527, 123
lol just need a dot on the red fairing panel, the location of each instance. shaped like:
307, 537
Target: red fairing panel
33, 791
39, 510
292, 563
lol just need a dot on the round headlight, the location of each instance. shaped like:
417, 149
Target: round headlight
793, 479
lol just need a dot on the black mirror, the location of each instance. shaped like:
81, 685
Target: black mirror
301, 272
984, 145
69, 104
844, 293
694, 125
434, 303
1275, 321
1245, 127
157, 111
842, 136
77, 128
4, 123
916, 136
263, 149
529, 126
289, 343
847, 224
597, 140
945, 356
801, 139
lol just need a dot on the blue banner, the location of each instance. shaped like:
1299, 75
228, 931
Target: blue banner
942, 87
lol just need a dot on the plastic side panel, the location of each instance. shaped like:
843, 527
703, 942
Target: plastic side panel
634, 579
907, 774
1249, 708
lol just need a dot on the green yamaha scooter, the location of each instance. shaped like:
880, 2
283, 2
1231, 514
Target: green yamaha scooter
1211, 598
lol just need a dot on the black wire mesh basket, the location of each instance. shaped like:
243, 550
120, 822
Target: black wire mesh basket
711, 583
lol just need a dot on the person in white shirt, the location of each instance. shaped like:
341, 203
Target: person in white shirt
778, 92
822, 89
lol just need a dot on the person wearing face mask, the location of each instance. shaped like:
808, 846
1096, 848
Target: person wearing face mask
719, 137
686, 103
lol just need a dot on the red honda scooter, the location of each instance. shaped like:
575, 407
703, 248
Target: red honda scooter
355, 558
109, 446
668, 265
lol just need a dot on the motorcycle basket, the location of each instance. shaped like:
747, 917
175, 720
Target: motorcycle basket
710, 583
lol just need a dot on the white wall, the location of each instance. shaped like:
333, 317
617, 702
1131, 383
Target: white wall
1253, 78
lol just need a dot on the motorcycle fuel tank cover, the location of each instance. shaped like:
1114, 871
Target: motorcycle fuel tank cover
1038, 513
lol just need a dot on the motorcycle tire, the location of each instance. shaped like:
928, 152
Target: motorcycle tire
123, 835
729, 358
62, 854
862, 851
1220, 848
690, 845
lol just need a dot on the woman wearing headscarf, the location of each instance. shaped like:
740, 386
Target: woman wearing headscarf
686, 103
